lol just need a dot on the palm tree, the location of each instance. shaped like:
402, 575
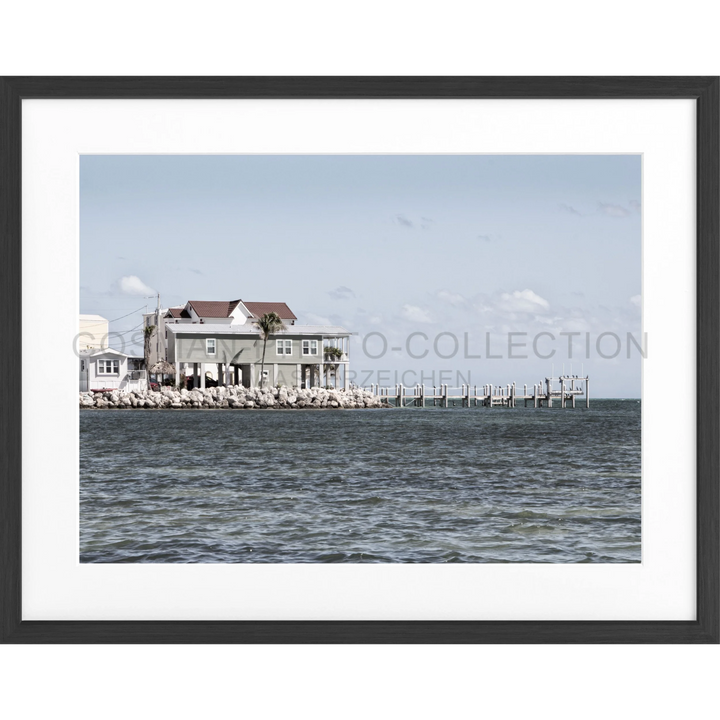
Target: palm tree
147, 335
269, 324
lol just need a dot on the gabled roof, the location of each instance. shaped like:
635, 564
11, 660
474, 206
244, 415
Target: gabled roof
178, 312
213, 308
92, 352
258, 309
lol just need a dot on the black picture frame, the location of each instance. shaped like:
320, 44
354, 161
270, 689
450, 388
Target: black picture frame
705, 92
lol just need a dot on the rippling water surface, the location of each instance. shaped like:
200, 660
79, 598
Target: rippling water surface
412, 485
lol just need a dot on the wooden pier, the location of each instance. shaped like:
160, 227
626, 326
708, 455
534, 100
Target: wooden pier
561, 392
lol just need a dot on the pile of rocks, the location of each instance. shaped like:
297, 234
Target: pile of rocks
233, 396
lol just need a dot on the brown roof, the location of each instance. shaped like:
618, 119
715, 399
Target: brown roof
178, 312
214, 308
260, 308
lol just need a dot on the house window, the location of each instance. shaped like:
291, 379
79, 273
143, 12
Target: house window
309, 347
108, 367
284, 347
210, 346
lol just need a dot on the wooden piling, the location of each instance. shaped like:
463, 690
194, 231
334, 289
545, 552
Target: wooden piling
587, 392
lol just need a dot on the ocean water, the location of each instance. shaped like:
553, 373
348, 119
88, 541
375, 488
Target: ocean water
431, 485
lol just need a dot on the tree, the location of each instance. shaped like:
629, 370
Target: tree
147, 336
269, 324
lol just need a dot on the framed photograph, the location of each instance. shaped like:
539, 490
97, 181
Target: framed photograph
360, 360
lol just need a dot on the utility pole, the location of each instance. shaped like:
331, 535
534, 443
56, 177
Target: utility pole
157, 328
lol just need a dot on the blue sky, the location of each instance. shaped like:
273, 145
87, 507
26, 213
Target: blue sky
387, 244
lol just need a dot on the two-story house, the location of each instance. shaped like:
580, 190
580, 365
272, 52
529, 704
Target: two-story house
219, 339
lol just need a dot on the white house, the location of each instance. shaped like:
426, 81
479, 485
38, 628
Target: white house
105, 368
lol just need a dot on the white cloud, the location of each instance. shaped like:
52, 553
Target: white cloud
569, 209
523, 301
415, 314
424, 223
405, 222
613, 210
341, 293
454, 299
133, 285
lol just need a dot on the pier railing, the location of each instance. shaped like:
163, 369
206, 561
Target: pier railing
542, 394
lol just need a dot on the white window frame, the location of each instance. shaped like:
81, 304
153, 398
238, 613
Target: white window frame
309, 347
114, 365
283, 347
208, 341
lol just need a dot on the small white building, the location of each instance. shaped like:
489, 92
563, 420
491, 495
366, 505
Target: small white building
105, 369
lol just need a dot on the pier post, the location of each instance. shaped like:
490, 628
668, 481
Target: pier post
562, 392
572, 390
475, 390
468, 395
587, 392
535, 396
400, 400
490, 395
549, 391
445, 395
434, 395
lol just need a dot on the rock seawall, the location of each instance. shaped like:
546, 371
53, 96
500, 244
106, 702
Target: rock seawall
234, 397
